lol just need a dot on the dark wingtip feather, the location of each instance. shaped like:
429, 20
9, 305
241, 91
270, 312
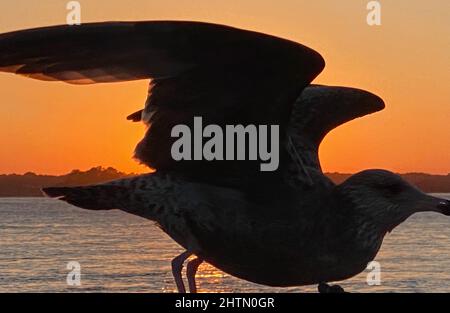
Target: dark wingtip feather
135, 117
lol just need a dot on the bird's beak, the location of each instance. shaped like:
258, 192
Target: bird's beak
434, 204
444, 207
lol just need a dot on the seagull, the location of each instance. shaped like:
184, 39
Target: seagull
291, 227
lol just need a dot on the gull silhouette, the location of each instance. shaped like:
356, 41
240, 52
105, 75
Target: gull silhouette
290, 227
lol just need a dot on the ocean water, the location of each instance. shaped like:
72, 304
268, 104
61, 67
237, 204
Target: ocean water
118, 252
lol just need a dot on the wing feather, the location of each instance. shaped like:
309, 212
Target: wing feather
121, 51
224, 74
321, 109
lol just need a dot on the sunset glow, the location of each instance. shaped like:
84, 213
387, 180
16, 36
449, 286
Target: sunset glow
53, 128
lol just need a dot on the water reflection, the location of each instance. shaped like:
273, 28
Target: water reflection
122, 253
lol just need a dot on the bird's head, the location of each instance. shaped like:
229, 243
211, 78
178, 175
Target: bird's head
388, 200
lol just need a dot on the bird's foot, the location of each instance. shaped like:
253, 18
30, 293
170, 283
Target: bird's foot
325, 288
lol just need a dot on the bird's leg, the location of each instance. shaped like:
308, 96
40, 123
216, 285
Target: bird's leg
325, 288
177, 267
191, 270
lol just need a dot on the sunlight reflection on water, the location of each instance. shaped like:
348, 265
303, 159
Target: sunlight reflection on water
122, 253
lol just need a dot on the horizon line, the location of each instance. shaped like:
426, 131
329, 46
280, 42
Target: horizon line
150, 171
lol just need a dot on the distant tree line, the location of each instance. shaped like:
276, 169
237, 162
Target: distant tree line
30, 184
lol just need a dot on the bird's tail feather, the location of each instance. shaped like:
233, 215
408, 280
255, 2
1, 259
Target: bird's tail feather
145, 195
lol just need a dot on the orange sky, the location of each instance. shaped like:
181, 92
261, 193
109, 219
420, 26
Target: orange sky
53, 127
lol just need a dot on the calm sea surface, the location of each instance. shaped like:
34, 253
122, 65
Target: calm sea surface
122, 253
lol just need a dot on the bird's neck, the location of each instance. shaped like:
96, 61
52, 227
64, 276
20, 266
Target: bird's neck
371, 219
374, 224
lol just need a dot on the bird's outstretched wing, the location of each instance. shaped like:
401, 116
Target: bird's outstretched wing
224, 74
316, 112
122, 51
